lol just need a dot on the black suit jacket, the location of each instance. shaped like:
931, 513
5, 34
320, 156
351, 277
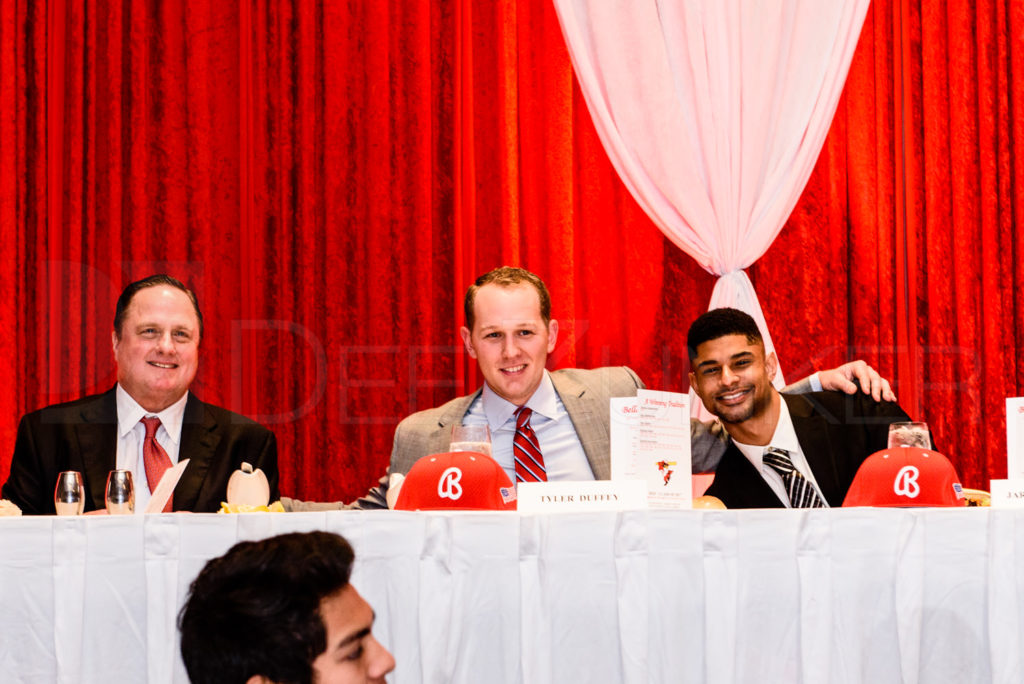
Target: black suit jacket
82, 435
836, 432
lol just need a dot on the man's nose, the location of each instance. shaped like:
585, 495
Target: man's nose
379, 659
509, 347
164, 342
728, 377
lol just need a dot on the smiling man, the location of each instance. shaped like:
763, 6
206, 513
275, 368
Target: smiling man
281, 610
544, 425
147, 422
796, 451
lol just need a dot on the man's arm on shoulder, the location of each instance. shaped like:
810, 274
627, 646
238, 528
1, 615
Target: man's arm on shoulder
849, 378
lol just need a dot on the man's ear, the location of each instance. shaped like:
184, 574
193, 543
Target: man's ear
771, 365
467, 339
552, 335
113, 341
258, 679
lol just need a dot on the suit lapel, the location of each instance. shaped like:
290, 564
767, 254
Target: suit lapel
441, 438
590, 421
741, 485
199, 439
97, 444
812, 431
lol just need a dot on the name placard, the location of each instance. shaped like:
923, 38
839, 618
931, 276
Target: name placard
1007, 493
597, 495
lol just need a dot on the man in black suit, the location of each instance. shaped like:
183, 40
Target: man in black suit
157, 329
795, 451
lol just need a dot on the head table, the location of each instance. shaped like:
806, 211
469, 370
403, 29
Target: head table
850, 595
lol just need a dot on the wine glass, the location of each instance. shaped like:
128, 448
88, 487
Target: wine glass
120, 496
471, 438
69, 494
909, 435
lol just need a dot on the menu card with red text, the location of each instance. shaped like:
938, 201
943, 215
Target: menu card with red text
650, 441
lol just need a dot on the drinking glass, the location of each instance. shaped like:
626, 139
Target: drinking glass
910, 435
69, 494
471, 438
120, 496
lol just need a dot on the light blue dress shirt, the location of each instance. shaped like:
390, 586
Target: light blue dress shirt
563, 453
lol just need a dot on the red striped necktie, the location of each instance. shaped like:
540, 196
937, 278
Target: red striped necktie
155, 458
526, 448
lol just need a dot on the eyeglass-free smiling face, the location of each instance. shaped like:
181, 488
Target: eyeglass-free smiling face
157, 347
510, 340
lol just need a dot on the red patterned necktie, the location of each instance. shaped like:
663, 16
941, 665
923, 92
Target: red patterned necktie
529, 461
155, 458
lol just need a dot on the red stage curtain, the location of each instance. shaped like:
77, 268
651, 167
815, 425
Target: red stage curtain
329, 177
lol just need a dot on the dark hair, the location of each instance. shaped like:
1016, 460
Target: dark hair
152, 281
256, 609
507, 276
719, 323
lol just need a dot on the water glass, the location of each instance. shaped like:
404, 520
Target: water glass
120, 496
69, 494
471, 438
910, 435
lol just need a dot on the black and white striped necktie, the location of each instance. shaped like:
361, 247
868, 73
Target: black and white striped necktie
801, 492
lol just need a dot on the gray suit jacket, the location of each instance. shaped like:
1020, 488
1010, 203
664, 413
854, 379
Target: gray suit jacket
585, 394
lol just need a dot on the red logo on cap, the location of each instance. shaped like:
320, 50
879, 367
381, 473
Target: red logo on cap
448, 486
906, 482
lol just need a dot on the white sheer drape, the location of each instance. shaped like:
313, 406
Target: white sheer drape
714, 112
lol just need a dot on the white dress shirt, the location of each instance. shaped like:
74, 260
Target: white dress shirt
564, 458
131, 434
784, 438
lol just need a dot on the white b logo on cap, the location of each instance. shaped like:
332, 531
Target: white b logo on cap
448, 486
906, 482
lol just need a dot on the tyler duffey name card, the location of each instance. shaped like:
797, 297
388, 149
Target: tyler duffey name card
1015, 437
650, 441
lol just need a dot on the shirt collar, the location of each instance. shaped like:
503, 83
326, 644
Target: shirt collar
544, 401
784, 437
129, 413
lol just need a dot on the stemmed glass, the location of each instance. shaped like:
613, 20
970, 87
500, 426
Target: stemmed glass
471, 438
910, 435
69, 494
120, 496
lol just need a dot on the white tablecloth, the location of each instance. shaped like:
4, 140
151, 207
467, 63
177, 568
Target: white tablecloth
855, 595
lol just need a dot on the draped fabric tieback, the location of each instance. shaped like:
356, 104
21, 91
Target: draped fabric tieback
526, 449
156, 459
801, 492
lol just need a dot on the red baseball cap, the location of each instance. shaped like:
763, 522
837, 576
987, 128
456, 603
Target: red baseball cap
460, 479
906, 476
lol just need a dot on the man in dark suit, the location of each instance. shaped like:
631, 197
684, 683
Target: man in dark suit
147, 422
796, 451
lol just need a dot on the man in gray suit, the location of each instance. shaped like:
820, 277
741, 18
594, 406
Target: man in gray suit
510, 332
